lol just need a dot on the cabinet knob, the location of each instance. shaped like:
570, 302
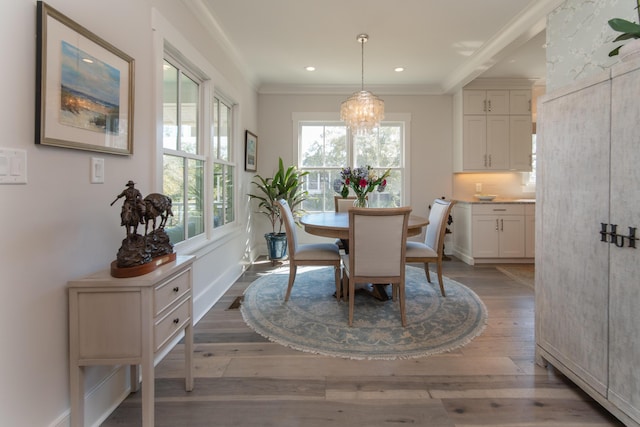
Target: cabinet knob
176, 289
176, 320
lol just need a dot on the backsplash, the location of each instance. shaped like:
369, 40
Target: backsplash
506, 185
579, 38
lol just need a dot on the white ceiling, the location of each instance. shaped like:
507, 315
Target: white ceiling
442, 44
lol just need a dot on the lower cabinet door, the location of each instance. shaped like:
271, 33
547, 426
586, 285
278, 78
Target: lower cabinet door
486, 237
511, 236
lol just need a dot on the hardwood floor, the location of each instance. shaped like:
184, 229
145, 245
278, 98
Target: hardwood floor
244, 380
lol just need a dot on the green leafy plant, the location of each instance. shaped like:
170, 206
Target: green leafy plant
285, 184
629, 30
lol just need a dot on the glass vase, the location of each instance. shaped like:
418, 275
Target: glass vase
361, 201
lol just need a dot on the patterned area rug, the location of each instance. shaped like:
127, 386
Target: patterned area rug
312, 320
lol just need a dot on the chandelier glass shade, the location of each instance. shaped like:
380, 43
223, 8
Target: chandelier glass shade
362, 111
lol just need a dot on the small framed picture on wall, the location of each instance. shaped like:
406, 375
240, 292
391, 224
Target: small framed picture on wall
250, 152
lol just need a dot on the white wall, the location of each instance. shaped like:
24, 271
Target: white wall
430, 151
59, 226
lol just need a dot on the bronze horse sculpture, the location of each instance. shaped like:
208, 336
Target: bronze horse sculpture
156, 205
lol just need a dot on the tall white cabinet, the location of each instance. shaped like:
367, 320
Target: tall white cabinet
587, 289
493, 127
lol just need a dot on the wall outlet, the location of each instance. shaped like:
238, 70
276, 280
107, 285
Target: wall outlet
479, 187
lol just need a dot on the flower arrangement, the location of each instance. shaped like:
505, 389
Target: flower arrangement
362, 181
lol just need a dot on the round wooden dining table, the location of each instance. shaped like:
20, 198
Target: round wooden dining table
336, 224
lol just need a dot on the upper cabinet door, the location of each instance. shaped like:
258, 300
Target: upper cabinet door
498, 102
486, 102
520, 102
475, 102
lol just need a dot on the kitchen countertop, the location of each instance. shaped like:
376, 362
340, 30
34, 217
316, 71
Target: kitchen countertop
496, 200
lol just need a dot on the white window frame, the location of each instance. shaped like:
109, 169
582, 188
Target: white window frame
233, 155
168, 39
333, 118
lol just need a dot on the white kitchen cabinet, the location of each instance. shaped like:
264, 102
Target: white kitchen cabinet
520, 102
498, 231
490, 232
493, 134
587, 292
486, 102
530, 231
520, 131
486, 142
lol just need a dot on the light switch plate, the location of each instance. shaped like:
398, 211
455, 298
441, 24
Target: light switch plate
13, 166
97, 170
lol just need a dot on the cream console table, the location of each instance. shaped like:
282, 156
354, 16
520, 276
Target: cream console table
129, 321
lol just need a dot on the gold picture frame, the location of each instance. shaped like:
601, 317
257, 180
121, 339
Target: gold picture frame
84, 88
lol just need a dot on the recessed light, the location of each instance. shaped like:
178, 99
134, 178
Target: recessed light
87, 60
310, 68
398, 69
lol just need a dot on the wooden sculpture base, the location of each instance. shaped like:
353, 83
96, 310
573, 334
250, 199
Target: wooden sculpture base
139, 270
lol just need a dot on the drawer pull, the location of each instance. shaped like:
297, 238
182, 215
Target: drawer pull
176, 289
499, 210
176, 320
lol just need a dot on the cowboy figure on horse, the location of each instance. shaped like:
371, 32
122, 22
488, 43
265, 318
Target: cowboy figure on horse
133, 208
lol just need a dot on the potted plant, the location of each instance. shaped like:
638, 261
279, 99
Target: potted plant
629, 30
286, 184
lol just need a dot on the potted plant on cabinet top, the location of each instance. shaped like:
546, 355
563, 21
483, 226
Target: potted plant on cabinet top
286, 184
629, 30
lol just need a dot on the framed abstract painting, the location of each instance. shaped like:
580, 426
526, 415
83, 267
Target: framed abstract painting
84, 87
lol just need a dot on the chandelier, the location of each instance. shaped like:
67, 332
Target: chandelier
362, 111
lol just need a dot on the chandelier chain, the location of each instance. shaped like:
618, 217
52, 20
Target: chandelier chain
362, 41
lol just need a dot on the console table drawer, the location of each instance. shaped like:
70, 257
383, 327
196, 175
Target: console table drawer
172, 323
170, 291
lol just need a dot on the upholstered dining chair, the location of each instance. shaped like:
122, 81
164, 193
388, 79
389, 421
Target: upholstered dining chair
377, 244
307, 254
343, 204
432, 249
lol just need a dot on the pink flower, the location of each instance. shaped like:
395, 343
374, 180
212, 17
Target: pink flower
363, 182
384, 183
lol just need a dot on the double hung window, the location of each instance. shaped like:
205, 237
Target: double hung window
223, 167
326, 147
197, 153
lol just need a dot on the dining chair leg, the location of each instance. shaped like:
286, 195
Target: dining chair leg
292, 277
403, 311
352, 292
338, 272
426, 270
440, 280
